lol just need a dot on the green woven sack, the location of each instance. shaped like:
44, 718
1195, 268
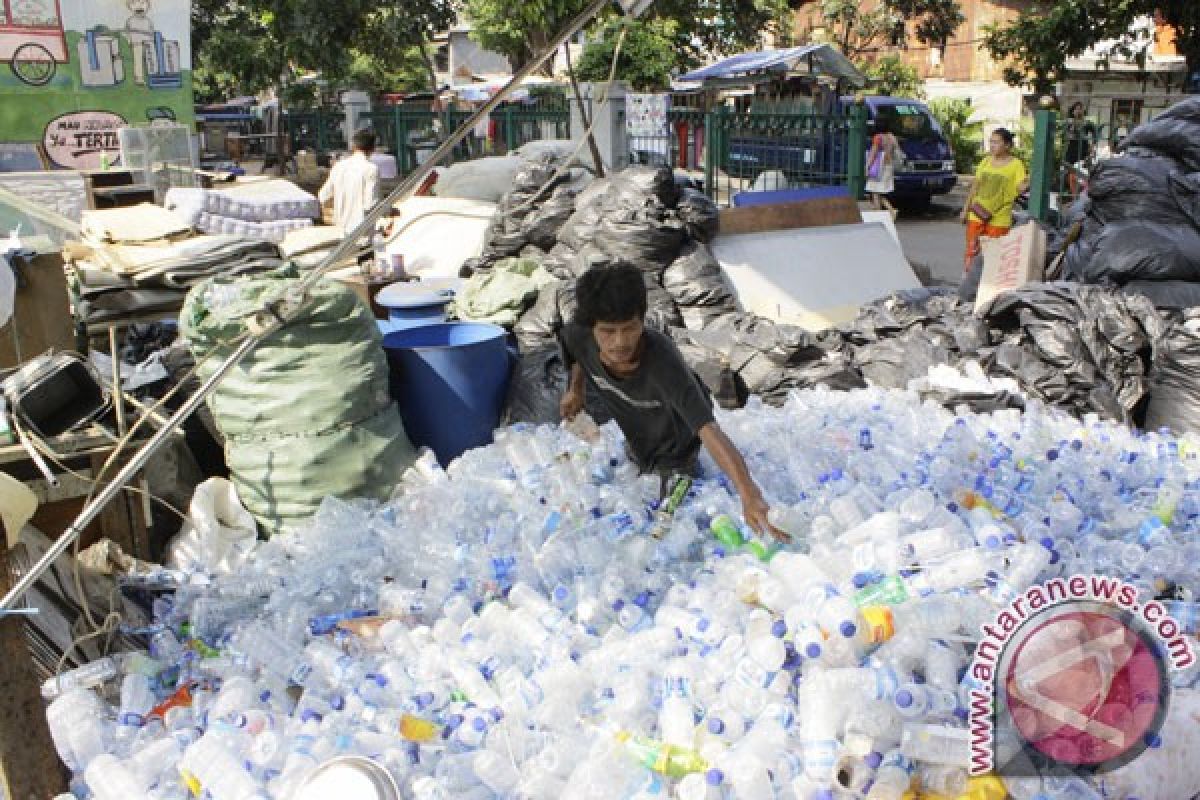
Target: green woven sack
306, 414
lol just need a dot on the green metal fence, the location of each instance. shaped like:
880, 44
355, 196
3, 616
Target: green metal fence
726, 151
319, 130
731, 152
412, 132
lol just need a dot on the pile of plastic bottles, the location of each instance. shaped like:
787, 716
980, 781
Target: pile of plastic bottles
535, 623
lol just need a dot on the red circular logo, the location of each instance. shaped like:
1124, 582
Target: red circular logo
1083, 688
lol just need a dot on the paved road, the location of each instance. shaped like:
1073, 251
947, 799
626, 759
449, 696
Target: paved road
933, 239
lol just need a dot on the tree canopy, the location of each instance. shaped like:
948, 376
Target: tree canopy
246, 46
891, 76
648, 53
860, 30
1039, 41
696, 28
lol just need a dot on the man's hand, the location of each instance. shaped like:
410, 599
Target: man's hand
570, 405
754, 507
754, 511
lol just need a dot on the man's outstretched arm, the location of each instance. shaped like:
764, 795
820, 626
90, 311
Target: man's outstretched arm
725, 453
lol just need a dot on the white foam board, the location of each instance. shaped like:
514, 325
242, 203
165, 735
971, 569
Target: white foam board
886, 218
813, 277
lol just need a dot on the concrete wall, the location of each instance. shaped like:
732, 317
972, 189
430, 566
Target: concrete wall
963, 59
467, 58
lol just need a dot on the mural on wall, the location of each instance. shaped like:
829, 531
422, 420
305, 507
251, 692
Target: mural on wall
73, 71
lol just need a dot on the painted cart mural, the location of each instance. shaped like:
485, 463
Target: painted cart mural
73, 71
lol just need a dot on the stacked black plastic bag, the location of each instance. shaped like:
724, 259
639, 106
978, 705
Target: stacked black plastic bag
1141, 226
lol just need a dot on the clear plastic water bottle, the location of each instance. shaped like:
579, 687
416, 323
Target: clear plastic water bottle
79, 727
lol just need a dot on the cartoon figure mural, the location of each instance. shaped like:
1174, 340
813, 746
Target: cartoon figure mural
140, 30
72, 71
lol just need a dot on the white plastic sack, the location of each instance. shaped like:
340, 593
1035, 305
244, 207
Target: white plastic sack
485, 179
219, 535
559, 149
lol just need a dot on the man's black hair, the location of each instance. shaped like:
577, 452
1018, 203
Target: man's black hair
614, 293
364, 140
1005, 135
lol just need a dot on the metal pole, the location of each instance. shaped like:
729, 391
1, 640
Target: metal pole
1042, 170
856, 150
271, 320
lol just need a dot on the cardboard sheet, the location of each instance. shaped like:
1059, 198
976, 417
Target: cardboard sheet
1011, 261
138, 224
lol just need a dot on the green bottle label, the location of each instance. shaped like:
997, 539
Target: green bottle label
678, 493
727, 532
888, 592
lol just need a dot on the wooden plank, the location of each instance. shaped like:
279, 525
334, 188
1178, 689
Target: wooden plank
784, 216
42, 317
29, 766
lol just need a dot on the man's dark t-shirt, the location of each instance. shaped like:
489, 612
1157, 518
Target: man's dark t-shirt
660, 408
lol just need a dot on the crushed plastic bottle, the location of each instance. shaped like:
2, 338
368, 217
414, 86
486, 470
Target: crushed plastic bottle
533, 622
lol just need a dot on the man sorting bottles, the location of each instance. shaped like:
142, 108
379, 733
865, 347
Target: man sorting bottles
659, 404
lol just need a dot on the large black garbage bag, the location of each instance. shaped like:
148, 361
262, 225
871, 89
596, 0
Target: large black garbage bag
1129, 187
968, 290
530, 213
565, 263
581, 227
1083, 348
892, 363
538, 383
1175, 378
1185, 190
541, 227
695, 279
1134, 249
1167, 294
832, 370
1175, 132
698, 318
939, 314
902, 310
699, 215
713, 370
661, 312
539, 326
641, 185
649, 237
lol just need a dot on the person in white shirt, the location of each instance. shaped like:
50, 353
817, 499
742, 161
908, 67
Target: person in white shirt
353, 184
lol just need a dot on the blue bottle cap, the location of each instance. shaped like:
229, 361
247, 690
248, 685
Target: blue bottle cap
779, 629
904, 698
714, 777
716, 726
848, 629
813, 650
873, 759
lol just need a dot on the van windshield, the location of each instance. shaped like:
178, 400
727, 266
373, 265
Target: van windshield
907, 121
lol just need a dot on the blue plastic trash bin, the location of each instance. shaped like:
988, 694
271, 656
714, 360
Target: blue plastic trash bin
410, 305
450, 381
